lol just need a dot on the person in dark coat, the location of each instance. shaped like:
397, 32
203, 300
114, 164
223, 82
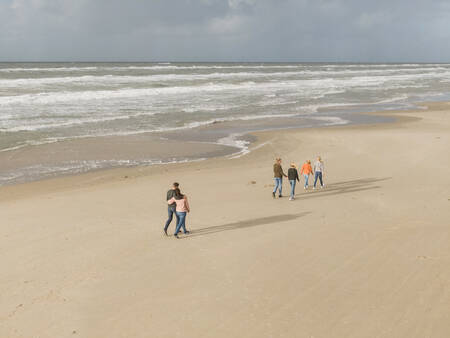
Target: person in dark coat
278, 175
293, 179
172, 207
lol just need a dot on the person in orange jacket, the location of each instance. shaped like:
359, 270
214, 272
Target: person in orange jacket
306, 171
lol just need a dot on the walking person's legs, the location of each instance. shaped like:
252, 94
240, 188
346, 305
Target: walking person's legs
179, 220
170, 211
306, 181
320, 179
316, 176
181, 223
281, 187
277, 186
292, 182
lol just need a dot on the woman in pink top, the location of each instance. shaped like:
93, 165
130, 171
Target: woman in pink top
182, 209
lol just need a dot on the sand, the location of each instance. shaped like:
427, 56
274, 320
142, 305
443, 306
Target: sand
368, 256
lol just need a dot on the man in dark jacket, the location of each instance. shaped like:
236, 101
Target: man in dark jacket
278, 177
171, 210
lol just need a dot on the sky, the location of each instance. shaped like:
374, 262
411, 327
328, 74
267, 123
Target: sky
225, 30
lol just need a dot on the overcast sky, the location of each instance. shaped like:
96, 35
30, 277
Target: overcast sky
225, 30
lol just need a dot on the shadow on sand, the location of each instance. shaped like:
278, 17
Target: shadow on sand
336, 188
246, 224
344, 187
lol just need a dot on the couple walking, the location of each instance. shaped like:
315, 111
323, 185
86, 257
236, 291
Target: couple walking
293, 176
178, 205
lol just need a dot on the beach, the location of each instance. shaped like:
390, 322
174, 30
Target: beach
367, 256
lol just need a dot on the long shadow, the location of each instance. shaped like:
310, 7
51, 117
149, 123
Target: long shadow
246, 224
343, 187
335, 188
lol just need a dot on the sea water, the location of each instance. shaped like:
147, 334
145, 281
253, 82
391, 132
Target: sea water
42, 103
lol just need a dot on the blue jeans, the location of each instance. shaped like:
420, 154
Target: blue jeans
278, 184
171, 211
292, 182
318, 175
306, 180
181, 221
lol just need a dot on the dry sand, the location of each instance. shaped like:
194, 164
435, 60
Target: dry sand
368, 256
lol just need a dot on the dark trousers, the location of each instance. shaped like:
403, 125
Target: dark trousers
170, 211
318, 175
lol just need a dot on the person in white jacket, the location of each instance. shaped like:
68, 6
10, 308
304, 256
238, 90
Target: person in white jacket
318, 172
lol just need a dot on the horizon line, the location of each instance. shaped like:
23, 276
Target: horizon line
168, 61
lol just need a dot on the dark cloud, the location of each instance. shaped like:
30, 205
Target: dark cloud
228, 30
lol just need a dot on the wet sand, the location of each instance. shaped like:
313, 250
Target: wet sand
86, 154
79, 155
367, 256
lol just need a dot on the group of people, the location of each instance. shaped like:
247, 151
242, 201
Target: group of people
178, 204
293, 176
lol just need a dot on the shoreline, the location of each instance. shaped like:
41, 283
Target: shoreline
82, 155
258, 139
68, 120
222, 138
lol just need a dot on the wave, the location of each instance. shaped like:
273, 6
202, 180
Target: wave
55, 122
153, 67
186, 126
234, 140
302, 86
384, 65
394, 74
47, 69
331, 120
167, 66
127, 79
67, 123
209, 108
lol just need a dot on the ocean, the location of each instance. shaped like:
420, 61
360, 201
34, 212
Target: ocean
46, 103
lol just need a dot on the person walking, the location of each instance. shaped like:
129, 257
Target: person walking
278, 177
182, 208
293, 179
318, 172
306, 171
172, 207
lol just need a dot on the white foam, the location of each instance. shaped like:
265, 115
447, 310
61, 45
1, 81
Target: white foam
169, 66
153, 67
401, 97
323, 86
52, 123
68, 96
331, 120
75, 167
198, 124
190, 125
46, 69
234, 141
209, 108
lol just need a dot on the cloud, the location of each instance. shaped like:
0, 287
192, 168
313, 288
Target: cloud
226, 25
225, 30
236, 4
